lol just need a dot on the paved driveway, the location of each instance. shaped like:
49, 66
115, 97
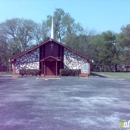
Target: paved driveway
71, 103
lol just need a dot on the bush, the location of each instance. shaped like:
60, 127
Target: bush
70, 72
22, 72
29, 72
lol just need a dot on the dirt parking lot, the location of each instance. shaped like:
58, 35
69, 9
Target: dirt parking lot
68, 103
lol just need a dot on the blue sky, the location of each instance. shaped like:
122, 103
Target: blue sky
98, 15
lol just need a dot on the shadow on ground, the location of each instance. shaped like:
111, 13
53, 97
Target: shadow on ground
98, 75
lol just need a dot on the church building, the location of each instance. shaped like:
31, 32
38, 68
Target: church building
49, 57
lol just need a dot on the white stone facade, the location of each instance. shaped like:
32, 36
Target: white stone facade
73, 61
31, 61
27, 61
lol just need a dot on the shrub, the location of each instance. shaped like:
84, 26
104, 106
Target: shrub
29, 72
22, 72
70, 72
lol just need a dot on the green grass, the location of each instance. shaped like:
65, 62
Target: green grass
5, 73
123, 75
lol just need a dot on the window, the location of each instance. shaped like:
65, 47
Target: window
85, 67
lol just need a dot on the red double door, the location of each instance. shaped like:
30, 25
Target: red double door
50, 68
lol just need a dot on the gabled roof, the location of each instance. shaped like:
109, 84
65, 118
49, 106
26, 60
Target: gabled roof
56, 43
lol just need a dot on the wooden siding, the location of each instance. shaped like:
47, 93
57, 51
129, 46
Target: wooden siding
56, 51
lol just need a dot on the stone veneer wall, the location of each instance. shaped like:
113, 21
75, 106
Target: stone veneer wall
27, 61
73, 61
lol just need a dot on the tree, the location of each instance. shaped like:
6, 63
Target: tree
4, 51
21, 33
108, 54
123, 40
126, 35
64, 25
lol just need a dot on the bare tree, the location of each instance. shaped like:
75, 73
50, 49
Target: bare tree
21, 33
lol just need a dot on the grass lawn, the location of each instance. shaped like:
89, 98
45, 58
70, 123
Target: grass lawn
123, 75
5, 73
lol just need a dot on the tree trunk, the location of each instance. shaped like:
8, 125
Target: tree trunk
116, 70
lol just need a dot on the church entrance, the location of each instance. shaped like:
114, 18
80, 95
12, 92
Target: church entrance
50, 67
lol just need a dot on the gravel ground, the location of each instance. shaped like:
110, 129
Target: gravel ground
68, 103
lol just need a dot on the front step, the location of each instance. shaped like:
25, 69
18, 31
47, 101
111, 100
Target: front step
50, 76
